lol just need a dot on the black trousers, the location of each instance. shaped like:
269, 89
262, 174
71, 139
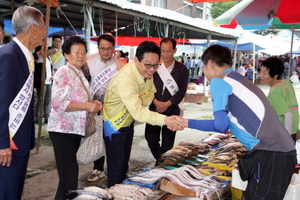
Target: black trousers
118, 151
269, 174
152, 135
65, 148
99, 164
12, 178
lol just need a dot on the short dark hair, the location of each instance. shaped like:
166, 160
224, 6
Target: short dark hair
106, 37
147, 47
218, 54
166, 40
70, 41
2, 23
56, 36
275, 66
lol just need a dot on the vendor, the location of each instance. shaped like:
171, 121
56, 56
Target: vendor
239, 105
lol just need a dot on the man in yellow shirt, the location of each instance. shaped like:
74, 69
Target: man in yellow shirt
127, 96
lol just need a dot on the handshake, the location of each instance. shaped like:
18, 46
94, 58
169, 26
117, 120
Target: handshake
176, 123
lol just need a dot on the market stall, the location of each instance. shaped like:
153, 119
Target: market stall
189, 170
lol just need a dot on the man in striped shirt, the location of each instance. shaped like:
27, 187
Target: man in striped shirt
239, 105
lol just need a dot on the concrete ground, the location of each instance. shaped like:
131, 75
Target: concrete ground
43, 186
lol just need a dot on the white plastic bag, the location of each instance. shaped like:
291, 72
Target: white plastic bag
237, 182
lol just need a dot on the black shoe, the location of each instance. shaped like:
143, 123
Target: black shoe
46, 121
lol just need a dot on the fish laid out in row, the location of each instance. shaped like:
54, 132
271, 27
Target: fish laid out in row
190, 178
91, 192
150, 176
131, 192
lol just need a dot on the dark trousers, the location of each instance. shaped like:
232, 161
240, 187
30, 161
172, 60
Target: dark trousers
99, 164
47, 101
192, 72
152, 135
12, 178
65, 147
271, 175
118, 153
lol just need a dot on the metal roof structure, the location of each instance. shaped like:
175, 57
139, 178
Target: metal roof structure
127, 18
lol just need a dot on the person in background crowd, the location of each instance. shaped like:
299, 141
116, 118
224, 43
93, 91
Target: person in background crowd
55, 52
250, 72
2, 31
294, 63
282, 94
242, 107
38, 56
127, 57
167, 99
199, 66
193, 66
17, 133
182, 58
286, 68
188, 65
128, 94
68, 116
298, 62
242, 69
96, 66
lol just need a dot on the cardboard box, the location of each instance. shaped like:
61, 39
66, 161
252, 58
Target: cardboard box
194, 98
173, 188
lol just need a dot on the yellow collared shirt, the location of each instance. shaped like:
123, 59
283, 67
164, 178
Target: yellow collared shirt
123, 91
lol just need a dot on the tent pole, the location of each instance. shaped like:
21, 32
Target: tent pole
88, 27
205, 80
234, 54
291, 52
117, 28
41, 111
253, 63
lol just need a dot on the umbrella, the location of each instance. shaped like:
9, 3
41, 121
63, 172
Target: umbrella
201, 1
257, 14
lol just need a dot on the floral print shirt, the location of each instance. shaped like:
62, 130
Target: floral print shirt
67, 88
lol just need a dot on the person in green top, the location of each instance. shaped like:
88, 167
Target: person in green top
282, 94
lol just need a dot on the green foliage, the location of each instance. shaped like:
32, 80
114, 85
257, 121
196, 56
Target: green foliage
218, 8
270, 30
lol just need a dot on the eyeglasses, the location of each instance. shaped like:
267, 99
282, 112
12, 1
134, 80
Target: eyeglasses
105, 49
148, 66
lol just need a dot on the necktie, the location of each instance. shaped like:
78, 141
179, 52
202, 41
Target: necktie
31, 64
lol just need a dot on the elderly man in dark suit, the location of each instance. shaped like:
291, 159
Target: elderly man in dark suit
170, 81
16, 108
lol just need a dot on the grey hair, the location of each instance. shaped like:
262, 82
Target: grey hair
24, 16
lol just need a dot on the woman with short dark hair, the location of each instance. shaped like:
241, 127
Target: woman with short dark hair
68, 116
282, 94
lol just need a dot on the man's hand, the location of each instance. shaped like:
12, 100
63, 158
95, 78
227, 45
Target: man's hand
5, 157
161, 106
174, 123
116, 55
94, 106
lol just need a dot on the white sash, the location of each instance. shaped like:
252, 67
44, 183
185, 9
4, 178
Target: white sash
103, 77
19, 106
169, 83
